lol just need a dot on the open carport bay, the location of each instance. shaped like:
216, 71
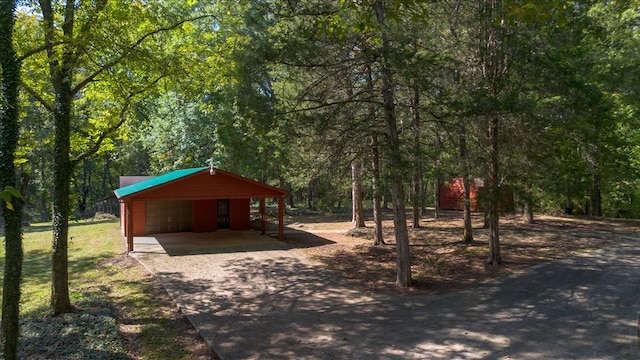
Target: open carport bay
224, 241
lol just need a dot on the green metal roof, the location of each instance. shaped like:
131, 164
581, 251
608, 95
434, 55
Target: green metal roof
156, 181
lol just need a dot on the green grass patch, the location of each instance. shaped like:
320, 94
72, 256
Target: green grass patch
121, 311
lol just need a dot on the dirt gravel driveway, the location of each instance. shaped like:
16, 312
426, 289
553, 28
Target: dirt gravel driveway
278, 304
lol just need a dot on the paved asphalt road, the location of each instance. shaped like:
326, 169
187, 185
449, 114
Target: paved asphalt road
277, 304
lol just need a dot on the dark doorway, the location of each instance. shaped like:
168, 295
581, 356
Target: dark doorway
223, 214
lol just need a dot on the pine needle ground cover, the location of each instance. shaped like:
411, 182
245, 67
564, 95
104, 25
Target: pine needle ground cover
121, 312
441, 262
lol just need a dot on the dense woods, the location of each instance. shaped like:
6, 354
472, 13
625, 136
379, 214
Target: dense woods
538, 95
369, 103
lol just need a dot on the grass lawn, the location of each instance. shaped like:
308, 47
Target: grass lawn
121, 311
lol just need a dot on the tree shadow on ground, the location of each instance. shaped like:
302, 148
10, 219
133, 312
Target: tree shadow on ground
299, 239
183, 244
200, 249
284, 308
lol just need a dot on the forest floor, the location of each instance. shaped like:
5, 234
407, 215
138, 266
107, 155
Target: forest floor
440, 261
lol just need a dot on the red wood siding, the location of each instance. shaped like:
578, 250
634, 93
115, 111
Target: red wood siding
452, 195
205, 215
240, 213
138, 218
203, 186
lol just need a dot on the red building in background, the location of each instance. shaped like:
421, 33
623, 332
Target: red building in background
452, 195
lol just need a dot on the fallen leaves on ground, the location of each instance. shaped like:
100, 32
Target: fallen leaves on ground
441, 262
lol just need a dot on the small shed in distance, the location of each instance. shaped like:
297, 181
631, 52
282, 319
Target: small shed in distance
192, 200
452, 195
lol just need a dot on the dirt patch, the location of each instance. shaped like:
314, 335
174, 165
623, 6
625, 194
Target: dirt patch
441, 262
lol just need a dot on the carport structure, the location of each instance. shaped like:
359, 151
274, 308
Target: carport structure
193, 200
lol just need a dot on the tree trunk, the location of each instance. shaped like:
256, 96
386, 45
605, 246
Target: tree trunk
493, 65
284, 185
378, 238
385, 197
527, 205
494, 196
356, 195
310, 195
528, 211
85, 189
61, 72
596, 196
416, 196
10, 331
9, 134
290, 198
106, 182
43, 200
403, 259
436, 195
437, 180
60, 301
568, 205
375, 185
416, 199
63, 56
467, 235
485, 208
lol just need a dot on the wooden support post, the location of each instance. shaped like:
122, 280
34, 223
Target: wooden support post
263, 225
281, 218
129, 231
